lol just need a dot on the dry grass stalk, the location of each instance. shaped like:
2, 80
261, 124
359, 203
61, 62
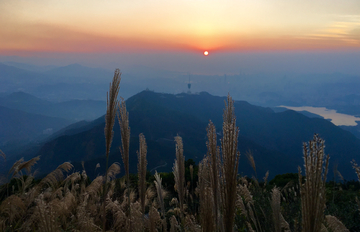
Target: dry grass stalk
275, 207
14, 209
111, 104
2, 154
46, 215
213, 152
149, 195
334, 224
112, 171
54, 178
250, 157
230, 164
179, 174
190, 224
206, 197
160, 192
94, 187
24, 183
154, 219
15, 167
84, 221
120, 219
278, 219
19, 165
142, 163
357, 168
123, 118
246, 202
313, 196
266, 178
174, 225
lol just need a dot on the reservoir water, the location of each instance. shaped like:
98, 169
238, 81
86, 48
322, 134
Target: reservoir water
336, 118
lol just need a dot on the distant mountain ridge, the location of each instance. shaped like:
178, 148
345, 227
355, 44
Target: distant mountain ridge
72, 110
56, 83
77, 70
275, 139
19, 127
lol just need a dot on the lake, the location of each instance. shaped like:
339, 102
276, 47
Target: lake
336, 118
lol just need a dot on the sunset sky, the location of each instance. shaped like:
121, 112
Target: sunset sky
128, 26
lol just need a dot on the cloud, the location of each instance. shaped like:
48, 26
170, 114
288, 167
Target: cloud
44, 37
345, 31
355, 34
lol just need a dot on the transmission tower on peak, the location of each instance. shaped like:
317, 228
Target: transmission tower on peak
189, 85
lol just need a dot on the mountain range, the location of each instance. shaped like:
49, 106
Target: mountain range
27, 120
75, 110
18, 128
274, 139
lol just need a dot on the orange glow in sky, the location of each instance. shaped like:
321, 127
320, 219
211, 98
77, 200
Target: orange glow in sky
179, 25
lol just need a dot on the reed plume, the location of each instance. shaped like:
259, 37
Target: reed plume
230, 163
313, 195
2, 154
356, 168
53, 179
334, 224
112, 171
13, 208
123, 118
142, 163
179, 174
206, 197
46, 215
154, 219
173, 224
251, 160
278, 219
19, 165
357, 171
160, 192
213, 152
111, 104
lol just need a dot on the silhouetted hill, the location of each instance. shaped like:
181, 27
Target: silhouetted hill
24, 101
7, 71
76, 128
18, 127
72, 110
284, 132
58, 84
275, 139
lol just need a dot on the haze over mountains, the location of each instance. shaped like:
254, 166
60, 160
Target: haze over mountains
19, 128
73, 109
26, 118
275, 139
337, 91
49, 111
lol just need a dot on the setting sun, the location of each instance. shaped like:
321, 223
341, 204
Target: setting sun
206, 53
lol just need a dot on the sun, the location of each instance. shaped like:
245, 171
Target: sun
206, 53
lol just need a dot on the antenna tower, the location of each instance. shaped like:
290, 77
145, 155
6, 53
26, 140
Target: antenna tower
189, 85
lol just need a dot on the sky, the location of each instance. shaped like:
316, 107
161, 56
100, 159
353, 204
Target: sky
177, 28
